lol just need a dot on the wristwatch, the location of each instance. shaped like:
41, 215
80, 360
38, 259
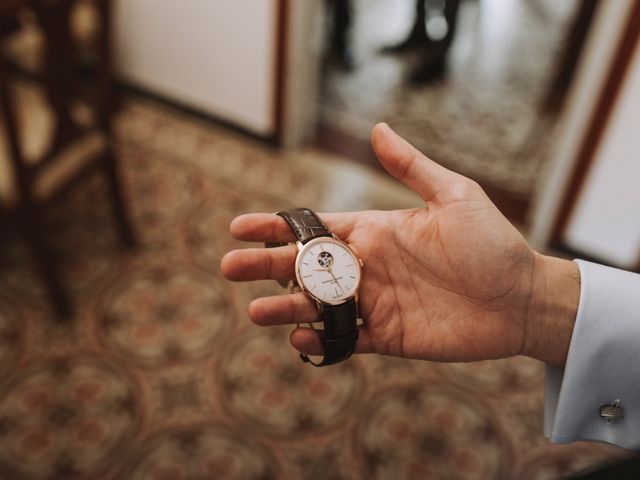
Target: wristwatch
329, 272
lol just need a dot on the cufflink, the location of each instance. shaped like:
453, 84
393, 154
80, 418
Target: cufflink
612, 411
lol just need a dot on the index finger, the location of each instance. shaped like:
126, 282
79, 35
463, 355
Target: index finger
269, 227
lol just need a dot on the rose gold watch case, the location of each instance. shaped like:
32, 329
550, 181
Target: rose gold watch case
303, 248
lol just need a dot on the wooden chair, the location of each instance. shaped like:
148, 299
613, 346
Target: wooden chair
79, 100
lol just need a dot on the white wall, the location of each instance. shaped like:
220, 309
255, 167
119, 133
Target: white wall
217, 56
606, 220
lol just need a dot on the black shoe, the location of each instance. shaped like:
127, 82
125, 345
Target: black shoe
412, 42
342, 57
433, 68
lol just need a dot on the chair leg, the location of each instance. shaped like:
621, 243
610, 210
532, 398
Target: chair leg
46, 264
117, 199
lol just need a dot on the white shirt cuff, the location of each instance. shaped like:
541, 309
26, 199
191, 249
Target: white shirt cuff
603, 364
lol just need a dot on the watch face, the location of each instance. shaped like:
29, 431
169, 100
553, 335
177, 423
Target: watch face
328, 270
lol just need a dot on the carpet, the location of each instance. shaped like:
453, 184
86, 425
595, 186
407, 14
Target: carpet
160, 374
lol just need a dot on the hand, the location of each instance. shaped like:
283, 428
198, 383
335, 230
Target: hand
451, 281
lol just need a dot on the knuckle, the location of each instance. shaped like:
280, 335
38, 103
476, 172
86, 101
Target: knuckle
267, 264
464, 189
414, 159
275, 227
292, 310
403, 169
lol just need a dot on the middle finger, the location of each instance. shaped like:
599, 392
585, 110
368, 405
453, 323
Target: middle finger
260, 264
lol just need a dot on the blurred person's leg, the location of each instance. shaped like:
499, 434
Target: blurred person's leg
342, 18
418, 36
433, 64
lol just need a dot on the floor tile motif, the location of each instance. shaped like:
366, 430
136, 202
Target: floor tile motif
65, 417
435, 433
263, 384
161, 375
11, 335
160, 313
205, 452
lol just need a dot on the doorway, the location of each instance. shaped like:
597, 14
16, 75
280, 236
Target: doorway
490, 115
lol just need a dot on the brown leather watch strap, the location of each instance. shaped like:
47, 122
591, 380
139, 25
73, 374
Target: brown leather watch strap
306, 225
340, 332
339, 335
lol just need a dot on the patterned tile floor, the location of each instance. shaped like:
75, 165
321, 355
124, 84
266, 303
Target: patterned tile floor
160, 375
477, 119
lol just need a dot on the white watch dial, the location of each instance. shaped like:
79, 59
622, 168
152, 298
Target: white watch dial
328, 270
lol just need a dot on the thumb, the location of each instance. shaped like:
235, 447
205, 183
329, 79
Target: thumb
407, 164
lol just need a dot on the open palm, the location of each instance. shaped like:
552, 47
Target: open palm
450, 281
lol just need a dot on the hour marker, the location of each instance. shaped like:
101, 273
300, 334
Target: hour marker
305, 263
324, 295
349, 276
350, 265
311, 275
313, 287
336, 293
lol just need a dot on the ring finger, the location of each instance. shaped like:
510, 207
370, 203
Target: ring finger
283, 309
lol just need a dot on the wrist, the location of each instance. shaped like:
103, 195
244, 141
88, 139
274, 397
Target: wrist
552, 311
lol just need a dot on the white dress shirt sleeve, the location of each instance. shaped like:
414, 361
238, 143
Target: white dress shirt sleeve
603, 364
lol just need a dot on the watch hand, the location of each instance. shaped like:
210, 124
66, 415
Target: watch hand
334, 278
333, 281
